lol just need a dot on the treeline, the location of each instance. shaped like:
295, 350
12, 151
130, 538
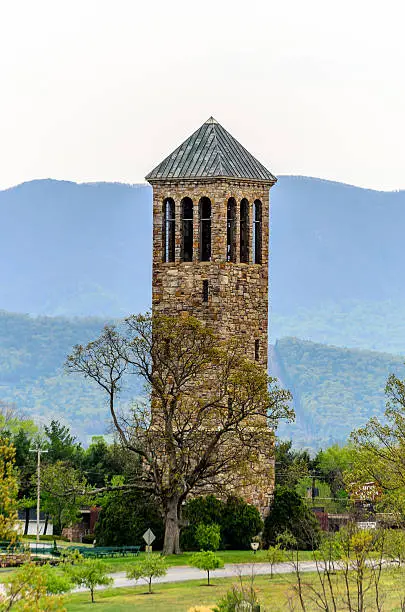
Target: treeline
103, 474
334, 389
32, 377
361, 324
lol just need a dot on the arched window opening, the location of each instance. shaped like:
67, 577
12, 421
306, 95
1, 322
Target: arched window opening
244, 231
257, 232
205, 229
168, 230
231, 231
187, 229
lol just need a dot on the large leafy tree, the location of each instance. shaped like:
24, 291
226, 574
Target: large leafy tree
207, 419
61, 486
291, 465
380, 449
102, 461
8, 490
290, 514
124, 518
60, 444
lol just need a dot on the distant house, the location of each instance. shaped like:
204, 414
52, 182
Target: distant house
27, 522
84, 527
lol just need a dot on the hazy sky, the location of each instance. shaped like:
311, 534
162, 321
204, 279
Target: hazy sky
105, 89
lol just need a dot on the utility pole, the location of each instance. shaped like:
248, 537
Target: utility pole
38, 451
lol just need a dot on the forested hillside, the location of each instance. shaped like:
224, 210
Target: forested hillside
335, 265
32, 355
335, 390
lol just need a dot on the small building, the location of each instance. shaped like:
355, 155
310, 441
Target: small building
27, 522
85, 526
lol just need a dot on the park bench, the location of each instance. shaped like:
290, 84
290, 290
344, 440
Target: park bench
100, 552
11, 547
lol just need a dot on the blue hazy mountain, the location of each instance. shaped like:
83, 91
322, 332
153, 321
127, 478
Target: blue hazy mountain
70, 249
337, 255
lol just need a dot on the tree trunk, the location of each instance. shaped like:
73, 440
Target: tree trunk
46, 523
171, 544
27, 520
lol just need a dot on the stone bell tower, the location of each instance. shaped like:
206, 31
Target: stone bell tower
211, 237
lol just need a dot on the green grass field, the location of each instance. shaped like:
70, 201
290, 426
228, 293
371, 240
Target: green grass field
179, 597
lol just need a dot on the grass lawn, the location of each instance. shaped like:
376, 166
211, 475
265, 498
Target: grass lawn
179, 597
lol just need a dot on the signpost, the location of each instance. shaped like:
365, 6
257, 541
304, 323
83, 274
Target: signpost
149, 538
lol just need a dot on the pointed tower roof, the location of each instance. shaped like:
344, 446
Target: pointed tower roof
211, 152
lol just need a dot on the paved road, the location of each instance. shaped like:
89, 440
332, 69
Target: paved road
230, 570
182, 573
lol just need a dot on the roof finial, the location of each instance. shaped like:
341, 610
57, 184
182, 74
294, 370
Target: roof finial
211, 120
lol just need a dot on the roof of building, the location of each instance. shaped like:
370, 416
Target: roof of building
210, 152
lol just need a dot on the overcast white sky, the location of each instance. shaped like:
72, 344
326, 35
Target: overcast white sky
105, 89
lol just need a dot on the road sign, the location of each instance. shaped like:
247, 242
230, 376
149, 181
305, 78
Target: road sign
149, 537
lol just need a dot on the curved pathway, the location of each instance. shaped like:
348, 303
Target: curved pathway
183, 573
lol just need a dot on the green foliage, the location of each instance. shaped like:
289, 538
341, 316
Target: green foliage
102, 461
124, 518
61, 486
88, 573
304, 488
395, 545
34, 587
291, 465
206, 560
334, 389
208, 536
88, 538
152, 566
380, 450
8, 491
60, 444
333, 463
239, 521
238, 595
289, 513
274, 554
32, 355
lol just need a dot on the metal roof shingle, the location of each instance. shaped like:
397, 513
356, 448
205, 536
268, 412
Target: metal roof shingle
211, 151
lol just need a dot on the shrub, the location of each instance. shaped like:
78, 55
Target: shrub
88, 538
89, 574
274, 555
290, 514
124, 518
208, 537
207, 561
236, 597
36, 588
241, 522
152, 566
206, 510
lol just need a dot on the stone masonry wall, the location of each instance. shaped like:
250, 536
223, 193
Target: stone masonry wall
237, 303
